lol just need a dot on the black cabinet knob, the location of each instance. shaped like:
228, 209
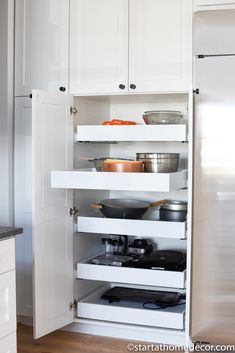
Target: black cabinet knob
121, 86
62, 89
132, 86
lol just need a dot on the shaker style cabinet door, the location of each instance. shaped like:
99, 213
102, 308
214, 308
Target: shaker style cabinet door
7, 304
52, 146
98, 46
41, 45
160, 34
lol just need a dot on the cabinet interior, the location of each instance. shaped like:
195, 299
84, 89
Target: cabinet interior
93, 111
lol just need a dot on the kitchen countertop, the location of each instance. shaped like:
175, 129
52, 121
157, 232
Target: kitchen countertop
9, 232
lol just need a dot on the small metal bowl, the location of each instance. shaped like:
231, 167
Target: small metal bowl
156, 117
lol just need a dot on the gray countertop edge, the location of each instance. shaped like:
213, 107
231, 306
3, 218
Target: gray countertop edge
9, 232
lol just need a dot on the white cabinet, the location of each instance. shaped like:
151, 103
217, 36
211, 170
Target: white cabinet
160, 45
7, 256
52, 122
120, 46
47, 135
7, 304
8, 344
41, 45
98, 46
205, 5
7, 296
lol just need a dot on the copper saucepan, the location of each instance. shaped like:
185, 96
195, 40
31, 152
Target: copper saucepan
123, 166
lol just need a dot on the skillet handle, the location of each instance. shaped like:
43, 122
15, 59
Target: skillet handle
96, 205
158, 203
86, 158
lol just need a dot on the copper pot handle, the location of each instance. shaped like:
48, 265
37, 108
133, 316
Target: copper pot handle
96, 205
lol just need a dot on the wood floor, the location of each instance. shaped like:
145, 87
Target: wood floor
67, 342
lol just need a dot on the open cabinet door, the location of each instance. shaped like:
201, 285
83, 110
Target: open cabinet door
52, 140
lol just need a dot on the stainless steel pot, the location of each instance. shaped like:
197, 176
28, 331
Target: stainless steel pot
159, 162
173, 210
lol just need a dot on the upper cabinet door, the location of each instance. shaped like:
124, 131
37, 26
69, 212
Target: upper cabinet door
160, 45
41, 45
214, 32
98, 46
52, 134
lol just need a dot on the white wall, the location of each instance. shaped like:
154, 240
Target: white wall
6, 111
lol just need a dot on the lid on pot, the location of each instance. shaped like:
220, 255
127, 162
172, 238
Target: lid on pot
175, 205
152, 155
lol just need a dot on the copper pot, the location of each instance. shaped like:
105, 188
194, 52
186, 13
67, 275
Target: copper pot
123, 166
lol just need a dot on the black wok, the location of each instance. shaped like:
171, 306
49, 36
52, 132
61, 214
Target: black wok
124, 208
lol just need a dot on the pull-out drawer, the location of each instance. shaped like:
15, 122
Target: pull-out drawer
8, 344
92, 307
7, 304
158, 278
78, 179
7, 255
139, 227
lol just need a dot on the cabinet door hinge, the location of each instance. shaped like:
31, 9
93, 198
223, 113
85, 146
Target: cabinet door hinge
73, 211
73, 110
73, 305
196, 91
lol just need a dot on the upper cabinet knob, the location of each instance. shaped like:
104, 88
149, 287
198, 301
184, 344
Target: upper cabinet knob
121, 86
132, 86
62, 89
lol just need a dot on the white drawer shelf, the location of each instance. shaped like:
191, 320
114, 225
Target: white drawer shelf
159, 182
107, 133
143, 228
92, 307
157, 278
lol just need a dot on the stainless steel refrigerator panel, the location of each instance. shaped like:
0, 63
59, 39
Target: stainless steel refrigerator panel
213, 277
214, 32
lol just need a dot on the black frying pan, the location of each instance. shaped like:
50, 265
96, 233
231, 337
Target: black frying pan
124, 208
